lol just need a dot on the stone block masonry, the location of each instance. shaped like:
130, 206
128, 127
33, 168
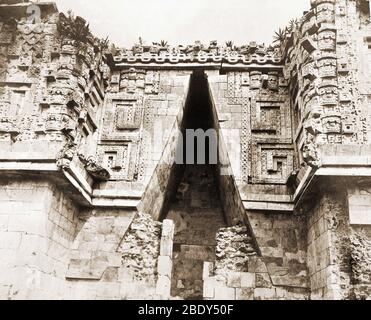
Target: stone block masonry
52, 250
95, 247
93, 206
239, 273
197, 215
38, 226
282, 241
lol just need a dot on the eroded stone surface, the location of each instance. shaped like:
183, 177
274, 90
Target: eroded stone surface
234, 247
140, 248
361, 264
88, 134
198, 216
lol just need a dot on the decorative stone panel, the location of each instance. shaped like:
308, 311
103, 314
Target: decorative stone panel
275, 164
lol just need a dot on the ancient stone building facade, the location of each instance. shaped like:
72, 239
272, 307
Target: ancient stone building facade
93, 204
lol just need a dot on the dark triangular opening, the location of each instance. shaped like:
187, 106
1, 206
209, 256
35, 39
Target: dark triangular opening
195, 205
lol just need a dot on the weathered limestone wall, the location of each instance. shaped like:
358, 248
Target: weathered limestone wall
280, 272
141, 109
52, 84
329, 276
241, 274
252, 109
140, 131
253, 112
326, 64
50, 250
94, 248
338, 243
164, 120
38, 225
198, 215
282, 242
126, 257
102, 126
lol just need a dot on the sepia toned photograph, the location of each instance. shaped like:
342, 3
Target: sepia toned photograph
199, 150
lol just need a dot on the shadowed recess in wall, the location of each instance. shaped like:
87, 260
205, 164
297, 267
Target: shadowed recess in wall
195, 207
193, 199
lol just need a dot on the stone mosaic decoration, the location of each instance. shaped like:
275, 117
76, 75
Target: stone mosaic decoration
93, 205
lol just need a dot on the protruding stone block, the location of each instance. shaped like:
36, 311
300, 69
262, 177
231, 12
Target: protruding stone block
208, 269
290, 281
168, 229
163, 287
166, 247
165, 265
247, 280
209, 288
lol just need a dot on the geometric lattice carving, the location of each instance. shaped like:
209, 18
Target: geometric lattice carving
332, 124
265, 125
265, 116
327, 67
128, 117
328, 95
116, 158
270, 116
272, 163
245, 140
327, 40
325, 12
121, 118
122, 144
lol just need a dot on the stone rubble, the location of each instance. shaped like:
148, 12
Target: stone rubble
141, 247
234, 247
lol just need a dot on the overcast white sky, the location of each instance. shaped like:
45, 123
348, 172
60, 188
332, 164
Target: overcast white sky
184, 21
